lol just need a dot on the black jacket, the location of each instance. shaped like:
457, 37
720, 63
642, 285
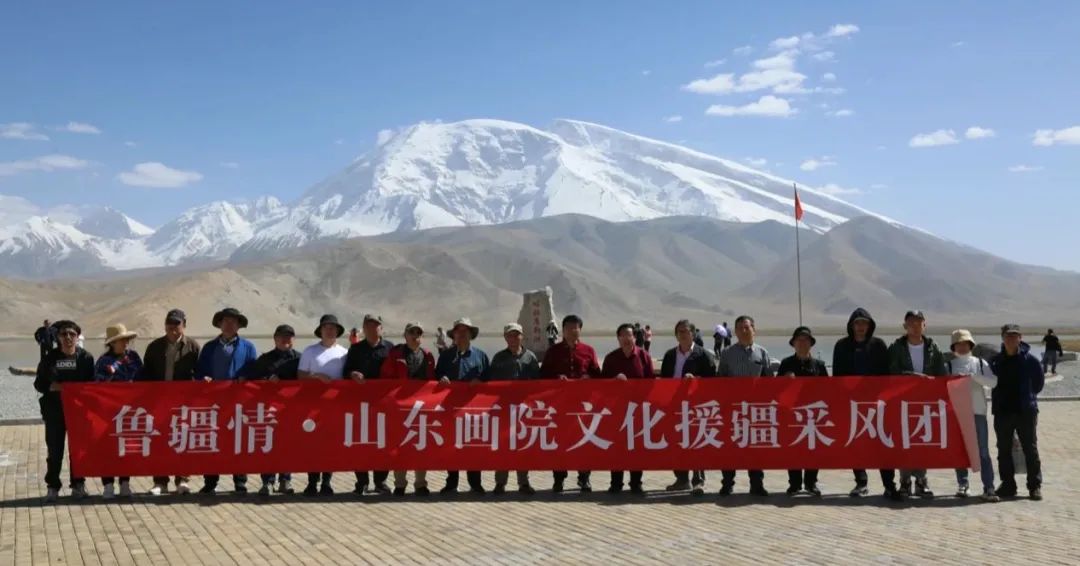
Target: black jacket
1053, 343
802, 368
187, 357
281, 363
874, 352
57, 367
366, 359
700, 363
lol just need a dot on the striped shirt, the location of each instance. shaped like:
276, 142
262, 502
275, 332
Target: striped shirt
741, 361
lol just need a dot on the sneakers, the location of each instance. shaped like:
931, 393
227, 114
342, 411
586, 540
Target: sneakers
615, 489
696, 491
726, 491
989, 496
158, 490
399, 492
963, 490
814, 491
585, 486
526, 489
311, 490
422, 491
107, 492
240, 490
678, 486
905, 490
51, 495
264, 491
922, 490
759, 491
325, 489
477, 490
360, 489
79, 492
1006, 490
792, 491
636, 489
208, 490
893, 494
1035, 494
182, 488
859, 491
381, 487
125, 489
285, 487
557, 487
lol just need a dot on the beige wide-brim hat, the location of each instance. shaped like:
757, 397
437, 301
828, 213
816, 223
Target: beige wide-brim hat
962, 335
474, 330
117, 332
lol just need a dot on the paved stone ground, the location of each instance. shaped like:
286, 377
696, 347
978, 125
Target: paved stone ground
659, 528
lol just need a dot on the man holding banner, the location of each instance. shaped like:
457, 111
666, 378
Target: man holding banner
628, 361
687, 360
745, 359
571, 359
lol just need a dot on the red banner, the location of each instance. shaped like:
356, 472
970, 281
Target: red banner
141, 429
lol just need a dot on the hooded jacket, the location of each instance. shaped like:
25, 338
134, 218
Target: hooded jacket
869, 357
1020, 380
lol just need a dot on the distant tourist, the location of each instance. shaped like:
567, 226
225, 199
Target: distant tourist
365, 361
639, 335
727, 334
281, 363
552, 333
698, 339
964, 363
1016, 411
862, 354
354, 336
720, 335
1052, 353
917, 354
802, 364
648, 337
463, 363
45, 336
66, 364
410, 361
119, 363
745, 358
324, 361
570, 359
440, 339
222, 359
514, 363
628, 361
687, 360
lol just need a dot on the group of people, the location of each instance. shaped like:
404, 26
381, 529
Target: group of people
1014, 375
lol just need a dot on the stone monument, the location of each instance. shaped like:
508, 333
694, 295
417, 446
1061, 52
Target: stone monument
537, 311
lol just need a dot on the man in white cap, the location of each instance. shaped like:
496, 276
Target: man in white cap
511, 364
965, 363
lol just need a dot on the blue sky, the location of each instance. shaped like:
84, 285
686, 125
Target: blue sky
238, 100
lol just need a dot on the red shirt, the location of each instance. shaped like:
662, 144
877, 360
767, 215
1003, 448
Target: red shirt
637, 365
574, 362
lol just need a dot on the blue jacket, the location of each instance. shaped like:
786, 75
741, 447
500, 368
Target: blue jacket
473, 365
244, 354
1020, 380
109, 367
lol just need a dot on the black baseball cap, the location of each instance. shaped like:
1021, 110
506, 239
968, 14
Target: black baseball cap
176, 315
284, 330
1010, 328
914, 313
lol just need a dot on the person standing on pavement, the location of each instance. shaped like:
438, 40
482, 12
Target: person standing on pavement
280, 364
1016, 410
552, 333
66, 364
648, 337
628, 361
440, 339
719, 334
223, 359
118, 364
172, 357
1052, 353
915, 354
967, 364
463, 363
687, 360
570, 359
861, 354
45, 336
745, 359
365, 362
410, 361
323, 361
802, 364
514, 363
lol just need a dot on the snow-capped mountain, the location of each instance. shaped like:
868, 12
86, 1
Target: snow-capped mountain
490, 172
425, 176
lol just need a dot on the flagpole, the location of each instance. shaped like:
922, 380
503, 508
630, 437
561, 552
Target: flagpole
798, 256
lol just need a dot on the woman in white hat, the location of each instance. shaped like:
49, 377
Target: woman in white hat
967, 364
118, 363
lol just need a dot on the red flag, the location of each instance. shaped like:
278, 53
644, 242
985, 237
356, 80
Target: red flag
798, 204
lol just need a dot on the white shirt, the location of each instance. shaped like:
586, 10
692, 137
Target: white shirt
317, 358
680, 360
918, 356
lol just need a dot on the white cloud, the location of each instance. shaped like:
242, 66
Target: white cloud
842, 30
339, 141
673, 119
959, 43
715, 63
756, 161
939, 137
783, 60
832, 189
130, 144
720, 84
829, 77
879, 186
230, 164
842, 113
814, 164
783, 43
158, 175
43, 163
1025, 168
80, 128
646, 72
21, 131
824, 56
767, 105
1066, 136
744, 50
977, 133
382, 137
